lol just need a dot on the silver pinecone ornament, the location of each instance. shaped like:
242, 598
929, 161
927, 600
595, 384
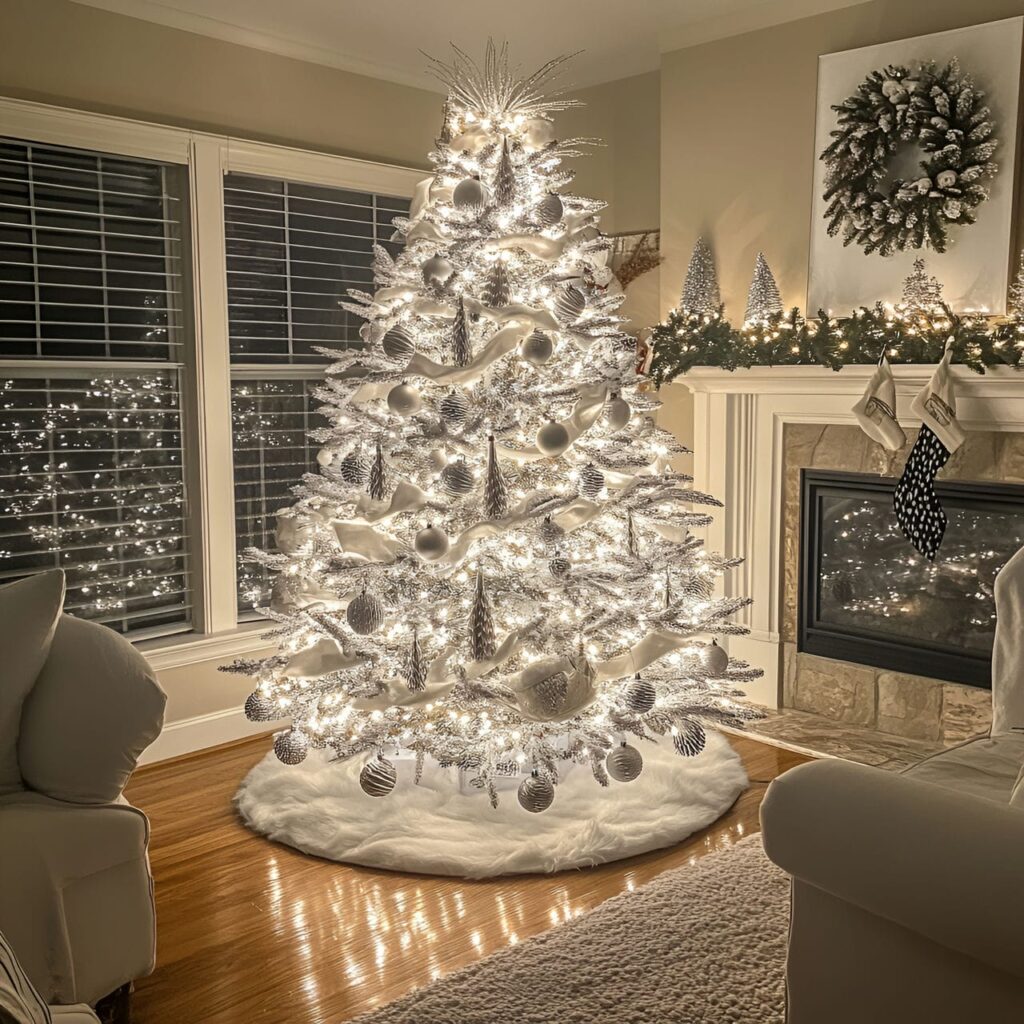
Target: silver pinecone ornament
632, 537
495, 488
624, 763
591, 480
482, 643
378, 776
536, 793
378, 479
365, 613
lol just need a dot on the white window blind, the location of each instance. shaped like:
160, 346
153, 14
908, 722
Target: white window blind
91, 340
293, 251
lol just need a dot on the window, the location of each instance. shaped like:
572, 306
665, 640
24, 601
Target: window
162, 296
92, 336
293, 251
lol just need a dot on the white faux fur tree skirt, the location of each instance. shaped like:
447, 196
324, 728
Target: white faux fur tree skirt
441, 828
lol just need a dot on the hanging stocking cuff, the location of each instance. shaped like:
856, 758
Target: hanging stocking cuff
936, 405
876, 411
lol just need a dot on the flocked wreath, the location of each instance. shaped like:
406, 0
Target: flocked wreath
945, 114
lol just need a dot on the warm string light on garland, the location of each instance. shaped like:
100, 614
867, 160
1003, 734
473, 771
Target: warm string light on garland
914, 330
470, 576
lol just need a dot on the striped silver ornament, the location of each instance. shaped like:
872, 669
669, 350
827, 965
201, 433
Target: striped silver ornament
454, 408
536, 794
291, 747
365, 613
688, 737
639, 696
378, 777
624, 763
398, 344
457, 478
591, 480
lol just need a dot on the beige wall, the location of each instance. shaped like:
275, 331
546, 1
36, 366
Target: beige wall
737, 136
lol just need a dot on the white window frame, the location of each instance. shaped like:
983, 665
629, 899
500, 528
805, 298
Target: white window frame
206, 378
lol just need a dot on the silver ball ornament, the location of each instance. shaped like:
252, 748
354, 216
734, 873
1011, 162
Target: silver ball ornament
431, 543
365, 613
469, 194
398, 344
617, 412
436, 271
624, 763
457, 478
550, 209
378, 777
404, 399
715, 660
454, 408
354, 469
536, 793
259, 708
639, 696
537, 348
553, 438
291, 747
591, 480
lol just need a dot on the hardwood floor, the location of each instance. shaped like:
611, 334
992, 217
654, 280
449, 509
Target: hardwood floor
252, 931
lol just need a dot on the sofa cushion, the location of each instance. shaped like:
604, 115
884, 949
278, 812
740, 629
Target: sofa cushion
29, 610
20, 1003
95, 708
986, 768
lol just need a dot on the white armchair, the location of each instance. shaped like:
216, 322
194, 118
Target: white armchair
908, 890
76, 899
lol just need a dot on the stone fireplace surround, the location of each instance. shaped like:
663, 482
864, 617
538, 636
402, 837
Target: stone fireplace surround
754, 430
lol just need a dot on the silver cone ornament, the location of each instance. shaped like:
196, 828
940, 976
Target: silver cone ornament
378, 479
495, 488
462, 348
415, 668
482, 643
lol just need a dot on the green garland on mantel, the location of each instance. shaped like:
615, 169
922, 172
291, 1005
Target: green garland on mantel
686, 339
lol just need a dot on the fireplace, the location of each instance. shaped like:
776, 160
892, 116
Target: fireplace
867, 597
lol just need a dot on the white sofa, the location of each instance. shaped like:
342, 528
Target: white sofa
78, 705
908, 890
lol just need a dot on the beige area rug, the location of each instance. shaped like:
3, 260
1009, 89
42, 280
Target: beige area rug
701, 943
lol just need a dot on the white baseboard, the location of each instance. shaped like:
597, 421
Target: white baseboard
191, 734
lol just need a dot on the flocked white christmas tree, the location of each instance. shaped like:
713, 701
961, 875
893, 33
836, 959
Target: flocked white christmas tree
701, 294
494, 568
763, 299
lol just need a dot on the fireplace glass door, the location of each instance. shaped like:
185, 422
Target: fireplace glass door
867, 596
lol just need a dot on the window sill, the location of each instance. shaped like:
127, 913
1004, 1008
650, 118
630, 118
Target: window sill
193, 648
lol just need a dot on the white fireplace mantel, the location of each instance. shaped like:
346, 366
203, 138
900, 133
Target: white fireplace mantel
739, 418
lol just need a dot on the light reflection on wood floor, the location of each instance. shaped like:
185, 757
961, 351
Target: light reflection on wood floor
252, 931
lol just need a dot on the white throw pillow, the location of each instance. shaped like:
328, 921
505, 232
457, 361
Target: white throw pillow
19, 1001
95, 708
29, 610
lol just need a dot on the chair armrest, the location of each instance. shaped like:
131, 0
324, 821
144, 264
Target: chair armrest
948, 866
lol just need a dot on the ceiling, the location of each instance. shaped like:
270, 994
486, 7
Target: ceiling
383, 38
